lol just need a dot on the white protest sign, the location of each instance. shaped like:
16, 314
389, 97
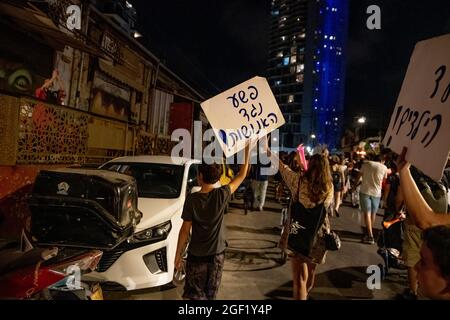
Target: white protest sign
245, 112
421, 118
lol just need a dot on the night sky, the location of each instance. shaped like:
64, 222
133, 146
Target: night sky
378, 59
216, 44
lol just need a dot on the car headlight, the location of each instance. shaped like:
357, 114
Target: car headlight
159, 232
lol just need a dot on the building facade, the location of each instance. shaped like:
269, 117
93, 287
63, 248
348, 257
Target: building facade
80, 96
307, 68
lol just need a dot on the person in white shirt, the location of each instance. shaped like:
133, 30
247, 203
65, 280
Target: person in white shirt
372, 173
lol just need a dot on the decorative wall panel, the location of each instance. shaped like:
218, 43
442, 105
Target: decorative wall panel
8, 130
50, 134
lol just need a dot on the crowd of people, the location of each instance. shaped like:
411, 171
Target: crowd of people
385, 180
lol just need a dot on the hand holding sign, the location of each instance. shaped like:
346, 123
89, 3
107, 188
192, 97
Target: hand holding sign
244, 112
401, 162
421, 119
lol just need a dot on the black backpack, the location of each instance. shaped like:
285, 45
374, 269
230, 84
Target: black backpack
336, 175
304, 226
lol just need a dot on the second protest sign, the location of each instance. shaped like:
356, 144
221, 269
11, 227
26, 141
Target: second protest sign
421, 118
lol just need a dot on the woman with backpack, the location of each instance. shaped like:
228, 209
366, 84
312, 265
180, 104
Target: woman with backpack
338, 179
313, 189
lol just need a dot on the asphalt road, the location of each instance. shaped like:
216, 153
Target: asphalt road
254, 269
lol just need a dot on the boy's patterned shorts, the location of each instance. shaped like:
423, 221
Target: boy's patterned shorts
203, 278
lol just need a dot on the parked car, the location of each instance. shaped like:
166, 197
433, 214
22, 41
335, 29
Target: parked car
77, 214
146, 259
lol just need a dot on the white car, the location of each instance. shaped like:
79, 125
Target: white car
147, 258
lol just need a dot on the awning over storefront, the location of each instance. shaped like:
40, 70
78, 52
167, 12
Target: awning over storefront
117, 72
32, 21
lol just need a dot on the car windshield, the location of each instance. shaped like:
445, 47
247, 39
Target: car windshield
153, 180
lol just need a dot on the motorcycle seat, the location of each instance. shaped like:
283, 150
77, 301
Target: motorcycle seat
13, 259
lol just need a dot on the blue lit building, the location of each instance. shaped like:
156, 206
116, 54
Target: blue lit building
307, 68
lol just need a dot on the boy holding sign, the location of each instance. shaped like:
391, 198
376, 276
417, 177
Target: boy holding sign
203, 213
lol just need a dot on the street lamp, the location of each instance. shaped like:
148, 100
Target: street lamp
312, 140
361, 121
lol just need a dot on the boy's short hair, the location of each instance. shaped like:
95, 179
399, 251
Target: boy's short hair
437, 240
210, 172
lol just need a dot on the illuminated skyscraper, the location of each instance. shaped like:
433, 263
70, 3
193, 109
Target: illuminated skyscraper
306, 68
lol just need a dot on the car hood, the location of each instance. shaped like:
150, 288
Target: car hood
156, 211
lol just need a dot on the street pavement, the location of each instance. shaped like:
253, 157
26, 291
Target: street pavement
254, 269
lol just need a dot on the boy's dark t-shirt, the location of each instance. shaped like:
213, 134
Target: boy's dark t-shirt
206, 211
